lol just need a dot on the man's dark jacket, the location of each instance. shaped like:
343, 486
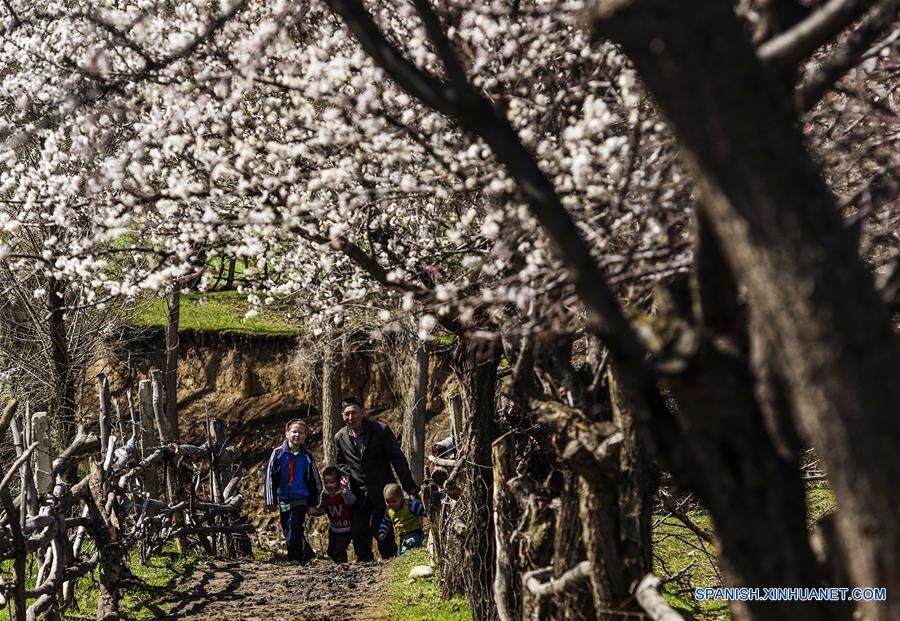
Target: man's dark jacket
371, 471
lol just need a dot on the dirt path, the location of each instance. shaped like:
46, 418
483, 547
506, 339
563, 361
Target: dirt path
257, 591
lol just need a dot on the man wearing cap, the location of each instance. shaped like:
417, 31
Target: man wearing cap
367, 451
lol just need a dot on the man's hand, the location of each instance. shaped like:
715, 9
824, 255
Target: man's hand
311, 511
269, 508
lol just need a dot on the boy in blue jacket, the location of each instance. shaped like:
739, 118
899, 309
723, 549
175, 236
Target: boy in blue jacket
292, 482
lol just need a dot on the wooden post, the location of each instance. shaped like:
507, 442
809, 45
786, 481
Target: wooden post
43, 464
215, 438
29, 504
331, 400
504, 468
456, 425
149, 437
19, 561
167, 435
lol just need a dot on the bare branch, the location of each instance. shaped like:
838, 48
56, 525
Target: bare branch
846, 55
787, 50
555, 586
647, 595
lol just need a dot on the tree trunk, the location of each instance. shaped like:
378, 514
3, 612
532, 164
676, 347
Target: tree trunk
476, 366
229, 279
615, 500
62, 372
171, 370
331, 403
568, 551
505, 580
738, 465
414, 418
785, 240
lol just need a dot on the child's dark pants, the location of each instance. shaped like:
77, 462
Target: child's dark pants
337, 546
292, 524
364, 526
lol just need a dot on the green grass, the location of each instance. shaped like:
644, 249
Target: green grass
420, 600
154, 591
678, 551
161, 577
218, 312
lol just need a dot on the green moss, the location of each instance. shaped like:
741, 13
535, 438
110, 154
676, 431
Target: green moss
443, 338
820, 502
218, 312
420, 600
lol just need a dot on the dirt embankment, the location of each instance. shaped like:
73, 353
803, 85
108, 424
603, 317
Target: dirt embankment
255, 384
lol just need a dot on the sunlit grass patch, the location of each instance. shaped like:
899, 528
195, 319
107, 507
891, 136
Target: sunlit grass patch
222, 311
420, 600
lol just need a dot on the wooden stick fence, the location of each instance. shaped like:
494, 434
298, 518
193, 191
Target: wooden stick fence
106, 489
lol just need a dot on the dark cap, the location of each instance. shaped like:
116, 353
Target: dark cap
348, 401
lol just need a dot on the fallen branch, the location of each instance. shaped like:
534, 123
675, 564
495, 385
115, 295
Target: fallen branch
675, 509
647, 595
14, 469
555, 586
82, 445
444, 463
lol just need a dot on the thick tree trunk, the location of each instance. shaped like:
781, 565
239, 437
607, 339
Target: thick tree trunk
568, 551
615, 499
414, 418
476, 366
740, 464
331, 402
785, 240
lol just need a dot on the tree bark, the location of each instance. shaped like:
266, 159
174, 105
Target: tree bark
505, 590
63, 374
476, 366
615, 500
785, 240
149, 436
167, 435
568, 549
171, 370
414, 418
331, 403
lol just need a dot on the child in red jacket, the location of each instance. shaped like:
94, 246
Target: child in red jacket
337, 504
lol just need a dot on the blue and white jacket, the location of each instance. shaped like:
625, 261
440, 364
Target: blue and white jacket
291, 477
